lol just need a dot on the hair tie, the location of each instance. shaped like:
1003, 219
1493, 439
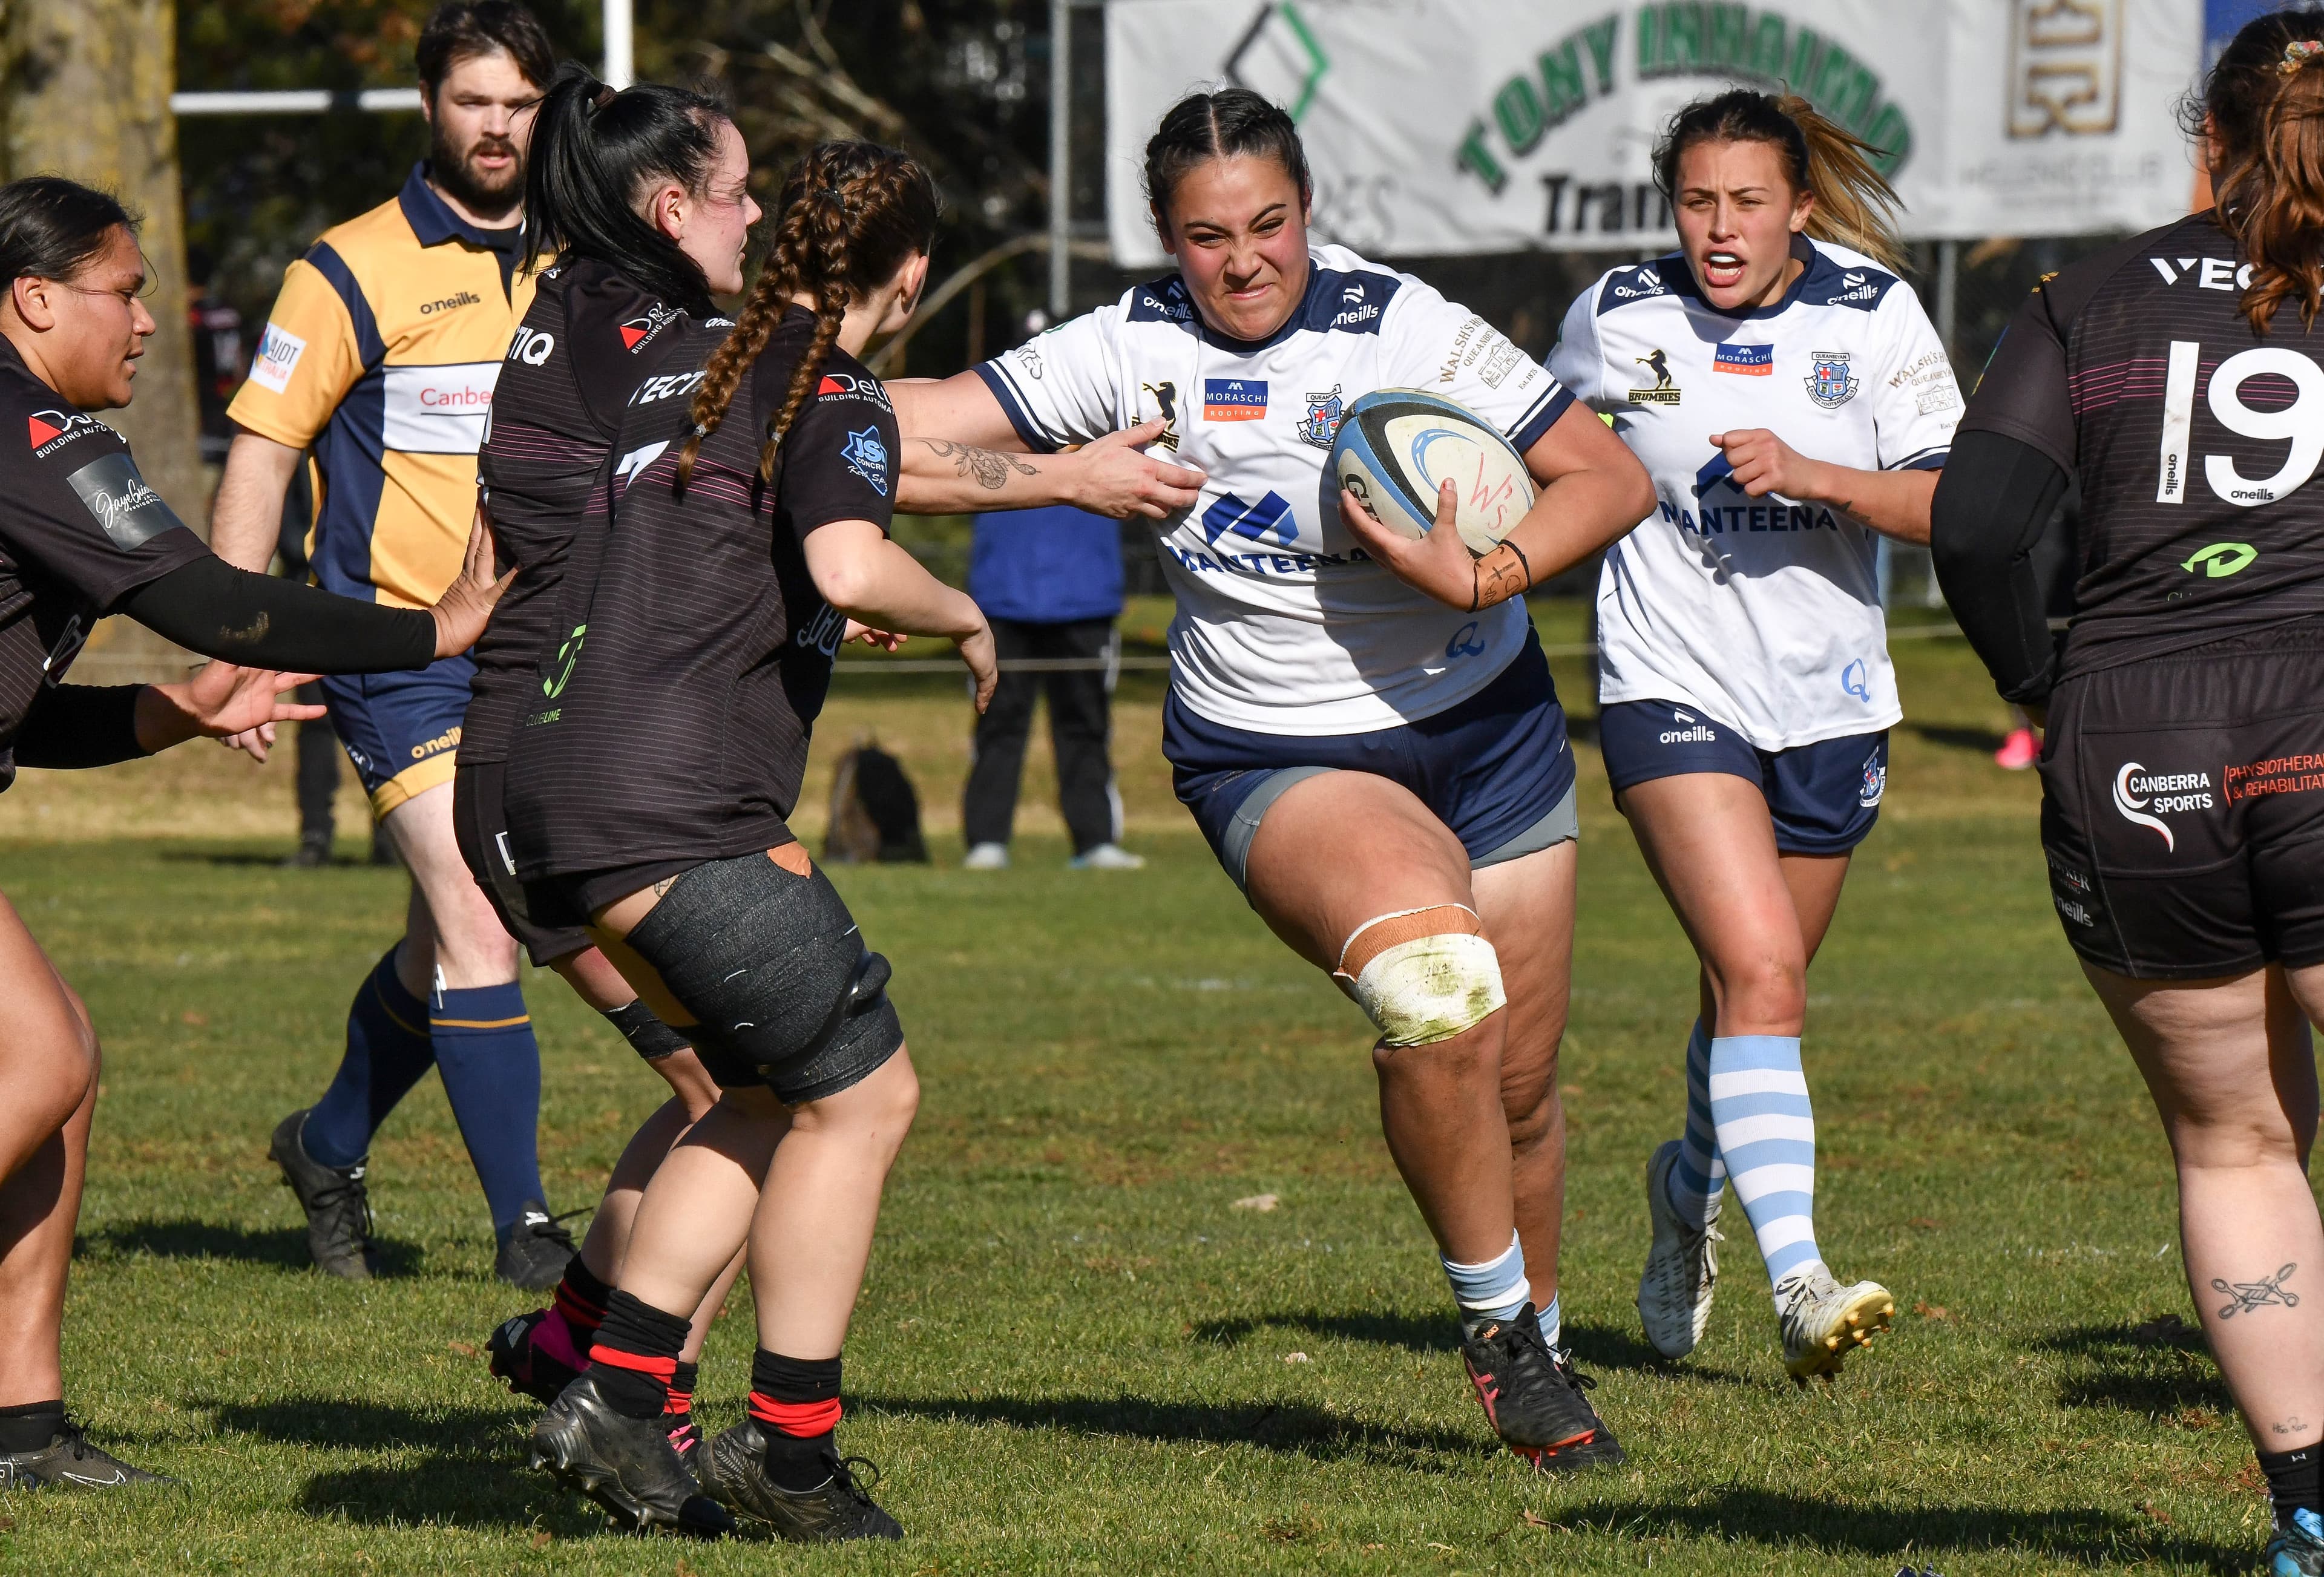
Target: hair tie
2297, 53
701, 431
604, 95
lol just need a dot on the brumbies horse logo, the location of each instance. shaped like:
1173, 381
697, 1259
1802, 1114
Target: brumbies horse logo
1166, 395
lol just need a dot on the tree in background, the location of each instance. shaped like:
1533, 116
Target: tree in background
87, 95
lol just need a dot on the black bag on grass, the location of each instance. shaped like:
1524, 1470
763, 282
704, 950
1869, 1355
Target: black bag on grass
875, 812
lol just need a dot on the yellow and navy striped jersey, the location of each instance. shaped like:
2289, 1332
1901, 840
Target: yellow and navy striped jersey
380, 356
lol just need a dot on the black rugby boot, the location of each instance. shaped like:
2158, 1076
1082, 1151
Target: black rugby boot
534, 1353
626, 1465
70, 1461
336, 1200
1533, 1398
533, 1249
734, 1468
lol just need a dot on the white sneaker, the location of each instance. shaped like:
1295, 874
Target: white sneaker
1681, 1266
1824, 1321
1108, 857
986, 857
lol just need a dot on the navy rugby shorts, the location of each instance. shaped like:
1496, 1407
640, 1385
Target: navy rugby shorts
1823, 798
1496, 769
401, 730
2182, 809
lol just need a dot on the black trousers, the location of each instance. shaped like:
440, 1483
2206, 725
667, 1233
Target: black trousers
1080, 725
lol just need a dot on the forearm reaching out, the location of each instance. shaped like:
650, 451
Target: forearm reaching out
962, 456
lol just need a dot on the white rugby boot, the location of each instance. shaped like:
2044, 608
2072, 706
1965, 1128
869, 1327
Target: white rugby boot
1682, 1271
1824, 1321
986, 857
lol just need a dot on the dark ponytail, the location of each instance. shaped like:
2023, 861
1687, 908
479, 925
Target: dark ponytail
1229, 124
851, 214
51, 226
594, 153
1855, 207
2264, 105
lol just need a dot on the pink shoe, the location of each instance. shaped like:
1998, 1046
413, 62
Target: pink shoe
2018, 752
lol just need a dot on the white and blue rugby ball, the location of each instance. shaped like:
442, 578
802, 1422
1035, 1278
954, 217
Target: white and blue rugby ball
1397, 447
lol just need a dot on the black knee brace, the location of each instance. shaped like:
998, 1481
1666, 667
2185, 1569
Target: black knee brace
773, 966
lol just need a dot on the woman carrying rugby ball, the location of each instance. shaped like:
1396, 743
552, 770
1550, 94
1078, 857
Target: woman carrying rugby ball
1382, 769
1745, 681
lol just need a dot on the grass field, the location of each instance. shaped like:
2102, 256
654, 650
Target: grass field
1074, 1352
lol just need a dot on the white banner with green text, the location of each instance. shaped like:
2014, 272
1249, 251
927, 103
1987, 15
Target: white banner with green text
1440, 126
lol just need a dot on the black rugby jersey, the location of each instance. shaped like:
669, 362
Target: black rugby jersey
677, 730
79, 530
2195, 442
589, 339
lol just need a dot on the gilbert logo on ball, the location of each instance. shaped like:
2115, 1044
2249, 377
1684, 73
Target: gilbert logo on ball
1395, 448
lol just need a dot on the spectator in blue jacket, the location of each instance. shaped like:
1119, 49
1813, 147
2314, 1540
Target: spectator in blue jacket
1050, 581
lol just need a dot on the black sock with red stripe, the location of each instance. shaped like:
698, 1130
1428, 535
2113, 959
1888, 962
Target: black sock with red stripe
636, 1356
795, 1401
682, 1381
579, 1300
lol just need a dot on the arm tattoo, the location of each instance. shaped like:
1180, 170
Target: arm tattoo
2243, 1296
1500, 575
991, 468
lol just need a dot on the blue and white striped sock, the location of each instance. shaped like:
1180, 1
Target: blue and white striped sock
1766, 1133
1551, 1324
1700, 1178
1492, 1291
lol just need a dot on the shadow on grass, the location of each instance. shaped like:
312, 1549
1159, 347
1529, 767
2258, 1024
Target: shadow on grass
470, 1469
451, 1492
2160, 1367
1297, 1428
341, 1425
1964, 739
1436, 1333
283, 1247
1596, 1346
2081, 1535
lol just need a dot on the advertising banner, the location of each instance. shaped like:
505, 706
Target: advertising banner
1441, 127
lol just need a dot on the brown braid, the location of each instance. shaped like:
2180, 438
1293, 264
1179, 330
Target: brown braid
852, 213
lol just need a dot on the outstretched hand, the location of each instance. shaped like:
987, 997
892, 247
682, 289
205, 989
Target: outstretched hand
225, 701
1115, 477
465, 607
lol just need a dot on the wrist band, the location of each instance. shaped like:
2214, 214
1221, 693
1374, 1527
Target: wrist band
1513, 548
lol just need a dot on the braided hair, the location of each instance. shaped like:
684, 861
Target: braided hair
852, 213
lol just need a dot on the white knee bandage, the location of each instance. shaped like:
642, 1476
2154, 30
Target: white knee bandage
1430, 988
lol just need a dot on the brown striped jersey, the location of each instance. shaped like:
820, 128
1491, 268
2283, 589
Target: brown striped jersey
590, 338
79, 530
678, 733
2195, 439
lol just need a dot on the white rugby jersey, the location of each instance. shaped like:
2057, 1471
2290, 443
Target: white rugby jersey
1284, 625
1763, 613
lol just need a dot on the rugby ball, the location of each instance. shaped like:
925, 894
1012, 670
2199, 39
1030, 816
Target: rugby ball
1397, 447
